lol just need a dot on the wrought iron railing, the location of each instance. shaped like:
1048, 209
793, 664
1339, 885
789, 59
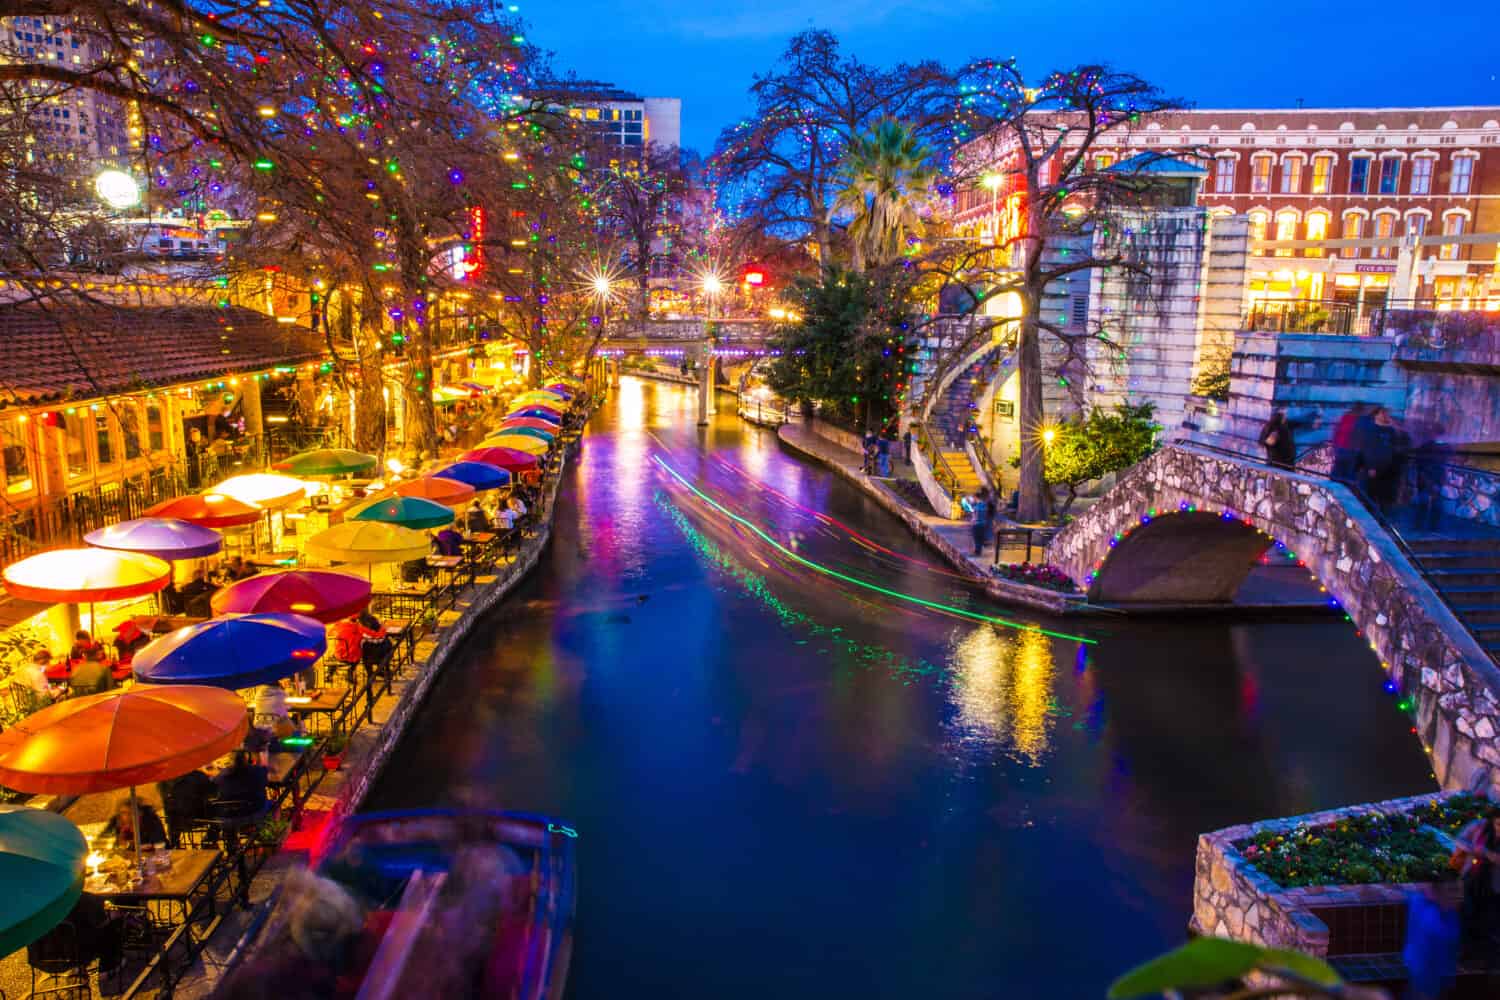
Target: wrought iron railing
923, 438
1302, 316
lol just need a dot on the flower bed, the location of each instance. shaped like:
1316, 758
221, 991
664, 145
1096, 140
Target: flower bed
1363, 849
1037, 575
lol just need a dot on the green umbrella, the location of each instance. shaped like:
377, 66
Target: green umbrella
41, 866
409, 512
328, 462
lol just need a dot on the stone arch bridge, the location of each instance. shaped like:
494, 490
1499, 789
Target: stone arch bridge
705, 340
1187, 525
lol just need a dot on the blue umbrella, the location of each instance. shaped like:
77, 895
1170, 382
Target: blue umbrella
236, 651
540, 414
479, 475
163, 537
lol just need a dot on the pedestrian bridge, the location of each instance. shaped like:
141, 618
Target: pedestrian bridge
1186, 526
725, 337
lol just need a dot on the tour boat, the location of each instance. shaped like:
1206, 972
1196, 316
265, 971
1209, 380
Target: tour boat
452, 902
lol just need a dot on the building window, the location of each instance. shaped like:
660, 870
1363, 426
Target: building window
1385, 228
1463, 175
1260, 174
1104, 161
1421, 175
75, 445
1317, 229
130, 429
1390, 175
1359, 175
1416, 225
1286, 229
1224, 175
1354, 225
155, 427
1453, 225
1291, 175
104, 441
17, 457
1258, 223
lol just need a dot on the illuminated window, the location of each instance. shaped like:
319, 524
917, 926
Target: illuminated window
1317, 229
17, 456
1359, 175
1258, 223
130, 429
1354, 225
1291, 175
75, 445
104, 441
1462, 176
1286, 229
1390, 175
1224, 175
155, 426
1104, 161
1385, 228
1421, 175
1454, 224
1416, 225
1260, 174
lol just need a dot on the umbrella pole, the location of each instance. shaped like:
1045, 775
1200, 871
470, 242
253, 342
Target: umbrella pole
135, 819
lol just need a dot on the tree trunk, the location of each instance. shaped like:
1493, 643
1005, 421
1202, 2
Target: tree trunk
369, 390
421, 413
1032, 506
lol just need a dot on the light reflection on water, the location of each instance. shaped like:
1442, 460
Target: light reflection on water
1002, 688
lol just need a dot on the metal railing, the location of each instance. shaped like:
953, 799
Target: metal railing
1302, 316
941, 470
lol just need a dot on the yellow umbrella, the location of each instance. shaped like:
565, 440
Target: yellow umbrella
540, 396
263, 489
520, 442
368, 542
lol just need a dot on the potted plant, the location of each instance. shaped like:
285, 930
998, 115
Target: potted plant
272, 832
333, 751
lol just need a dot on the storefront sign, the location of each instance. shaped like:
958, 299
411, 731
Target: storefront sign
1374, 268
1005, 409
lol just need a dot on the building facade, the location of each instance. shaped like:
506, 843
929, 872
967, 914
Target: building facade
1427, 179
627, 120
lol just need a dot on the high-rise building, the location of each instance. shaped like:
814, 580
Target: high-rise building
66, 124
626, 119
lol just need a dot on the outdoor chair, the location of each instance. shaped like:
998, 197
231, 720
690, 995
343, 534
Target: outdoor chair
237, 820
58, 963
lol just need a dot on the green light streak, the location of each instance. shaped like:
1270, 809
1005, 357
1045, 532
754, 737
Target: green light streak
819, 568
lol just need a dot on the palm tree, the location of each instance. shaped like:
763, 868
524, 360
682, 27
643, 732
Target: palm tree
884, 178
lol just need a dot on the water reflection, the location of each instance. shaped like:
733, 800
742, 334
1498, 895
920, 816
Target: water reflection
1002, 688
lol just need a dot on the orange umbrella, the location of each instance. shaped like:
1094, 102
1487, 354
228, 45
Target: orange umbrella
121, 739
83, 576
101, 742
449, 492
211, 510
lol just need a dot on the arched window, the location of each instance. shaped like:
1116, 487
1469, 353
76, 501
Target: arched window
1354, 228
1317, 229
1259, 220
1286, 229
1385, 228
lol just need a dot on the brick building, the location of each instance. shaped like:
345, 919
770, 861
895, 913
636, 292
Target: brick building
1385, 175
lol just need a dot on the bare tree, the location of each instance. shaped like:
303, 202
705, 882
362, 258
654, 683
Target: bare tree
641, 202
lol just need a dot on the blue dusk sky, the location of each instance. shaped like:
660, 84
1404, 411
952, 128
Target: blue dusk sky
1331, 53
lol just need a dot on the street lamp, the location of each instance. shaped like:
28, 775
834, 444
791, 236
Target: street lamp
117, 189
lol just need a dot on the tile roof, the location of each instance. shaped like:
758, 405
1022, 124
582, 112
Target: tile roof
84, 351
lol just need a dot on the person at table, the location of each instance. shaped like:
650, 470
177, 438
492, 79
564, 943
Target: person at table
185, 800
477, 519
34, 672
82, 643
128, 639
122, 827
238, 569
448, 542
242, 787
349, 643
271, 711
197, 587
96, 934
91, 675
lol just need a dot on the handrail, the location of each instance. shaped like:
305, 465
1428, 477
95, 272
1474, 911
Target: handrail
941, 470
981, 446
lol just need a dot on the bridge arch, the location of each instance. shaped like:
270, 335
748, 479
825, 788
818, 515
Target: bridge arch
1186, 525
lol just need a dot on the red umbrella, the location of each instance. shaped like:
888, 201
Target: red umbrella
532, 422
505, 458
83, 576
326, 595
211, 510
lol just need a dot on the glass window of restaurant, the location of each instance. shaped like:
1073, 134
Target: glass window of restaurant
1354, 225
16, 443
1317, 229
1322, 171
75, 445
1421, 174
1224, 175
156, 427
130, 428
1385, 228
104, 438
1286, 229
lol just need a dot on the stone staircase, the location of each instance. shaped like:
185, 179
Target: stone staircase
955, 412
1466, 571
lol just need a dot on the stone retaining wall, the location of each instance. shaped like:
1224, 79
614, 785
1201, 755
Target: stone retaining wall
1424, 649
1233, 899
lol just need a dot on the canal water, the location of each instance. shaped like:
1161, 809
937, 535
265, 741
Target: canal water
801, 764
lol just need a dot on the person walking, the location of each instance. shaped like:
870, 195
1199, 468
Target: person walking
906, 445
1382, 455
977, 507
1475, 855
1277, 439
883, 457
1345, 442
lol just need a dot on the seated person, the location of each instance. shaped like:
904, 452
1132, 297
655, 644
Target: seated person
448, 543
195, 595
505, 518
82, 643
242, 787
375, 644
516, 505
185, 800
33, 674
128, 639
271, 711
92, 675
236, 569
477, 519
122, 827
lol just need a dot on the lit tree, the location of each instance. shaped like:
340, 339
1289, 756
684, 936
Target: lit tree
641, 204
884, 181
